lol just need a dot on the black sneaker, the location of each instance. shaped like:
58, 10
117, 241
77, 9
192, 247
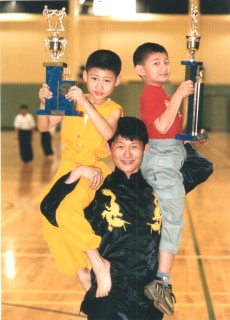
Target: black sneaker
162, 296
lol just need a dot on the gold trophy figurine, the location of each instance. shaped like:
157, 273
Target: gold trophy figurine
193, 38
55, 44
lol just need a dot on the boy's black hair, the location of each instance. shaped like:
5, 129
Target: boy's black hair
23, 106
105, 60
143, 51
130, 128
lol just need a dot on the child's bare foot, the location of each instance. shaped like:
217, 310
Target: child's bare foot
104, 283
85, 278
101, 268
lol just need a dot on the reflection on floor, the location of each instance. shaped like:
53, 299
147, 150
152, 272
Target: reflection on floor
33, 288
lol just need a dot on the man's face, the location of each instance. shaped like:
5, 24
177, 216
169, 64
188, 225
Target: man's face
127, 155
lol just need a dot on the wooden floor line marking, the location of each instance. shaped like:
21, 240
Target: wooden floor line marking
200, 266
43, 302
30, 255
192, 257
44, 291
9, 219
45, 309
202, 257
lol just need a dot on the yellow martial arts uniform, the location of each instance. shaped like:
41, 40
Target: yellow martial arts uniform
83, 145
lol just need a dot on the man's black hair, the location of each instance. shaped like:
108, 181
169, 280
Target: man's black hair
130, 128
105, 60
143, 51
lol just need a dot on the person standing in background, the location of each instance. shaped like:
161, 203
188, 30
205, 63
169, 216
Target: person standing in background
24, 125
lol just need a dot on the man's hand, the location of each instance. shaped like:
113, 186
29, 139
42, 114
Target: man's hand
93, 174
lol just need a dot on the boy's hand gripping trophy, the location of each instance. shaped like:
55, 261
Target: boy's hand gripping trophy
194, 72
57, 72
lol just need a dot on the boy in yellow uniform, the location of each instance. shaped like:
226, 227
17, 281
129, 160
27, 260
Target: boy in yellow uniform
71, 238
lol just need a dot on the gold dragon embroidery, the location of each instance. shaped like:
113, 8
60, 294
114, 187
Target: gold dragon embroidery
157, 218
112, 214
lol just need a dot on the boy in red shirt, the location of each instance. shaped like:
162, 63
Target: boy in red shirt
163, 161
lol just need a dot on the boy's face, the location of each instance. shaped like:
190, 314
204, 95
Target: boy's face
155, 70
100, 84
127, 155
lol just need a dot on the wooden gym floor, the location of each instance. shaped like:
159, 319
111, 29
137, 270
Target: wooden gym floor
33, 288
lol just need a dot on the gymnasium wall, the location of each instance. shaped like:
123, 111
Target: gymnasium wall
23, 53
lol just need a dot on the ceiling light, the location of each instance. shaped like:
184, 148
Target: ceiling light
116, 8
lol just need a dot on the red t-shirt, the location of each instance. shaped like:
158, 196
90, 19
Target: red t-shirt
153, 102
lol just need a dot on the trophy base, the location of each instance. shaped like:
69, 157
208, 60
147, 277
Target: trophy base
58, 113
190, 137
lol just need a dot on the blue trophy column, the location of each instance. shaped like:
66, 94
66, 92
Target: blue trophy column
58, 104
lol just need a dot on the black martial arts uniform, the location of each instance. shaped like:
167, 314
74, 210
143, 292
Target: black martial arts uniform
126, 215
46, 142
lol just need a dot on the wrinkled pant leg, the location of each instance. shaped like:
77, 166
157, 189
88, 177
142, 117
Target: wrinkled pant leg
122, 303
144, 312
107, 309
161, 168
112, 307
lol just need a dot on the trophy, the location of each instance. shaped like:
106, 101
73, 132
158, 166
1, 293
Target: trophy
195, 72
57, 72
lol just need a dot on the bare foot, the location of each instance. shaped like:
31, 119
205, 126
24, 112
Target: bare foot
85, 278
103, 277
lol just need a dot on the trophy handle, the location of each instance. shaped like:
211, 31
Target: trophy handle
185, 113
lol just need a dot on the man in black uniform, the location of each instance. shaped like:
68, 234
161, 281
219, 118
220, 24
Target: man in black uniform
126, 215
